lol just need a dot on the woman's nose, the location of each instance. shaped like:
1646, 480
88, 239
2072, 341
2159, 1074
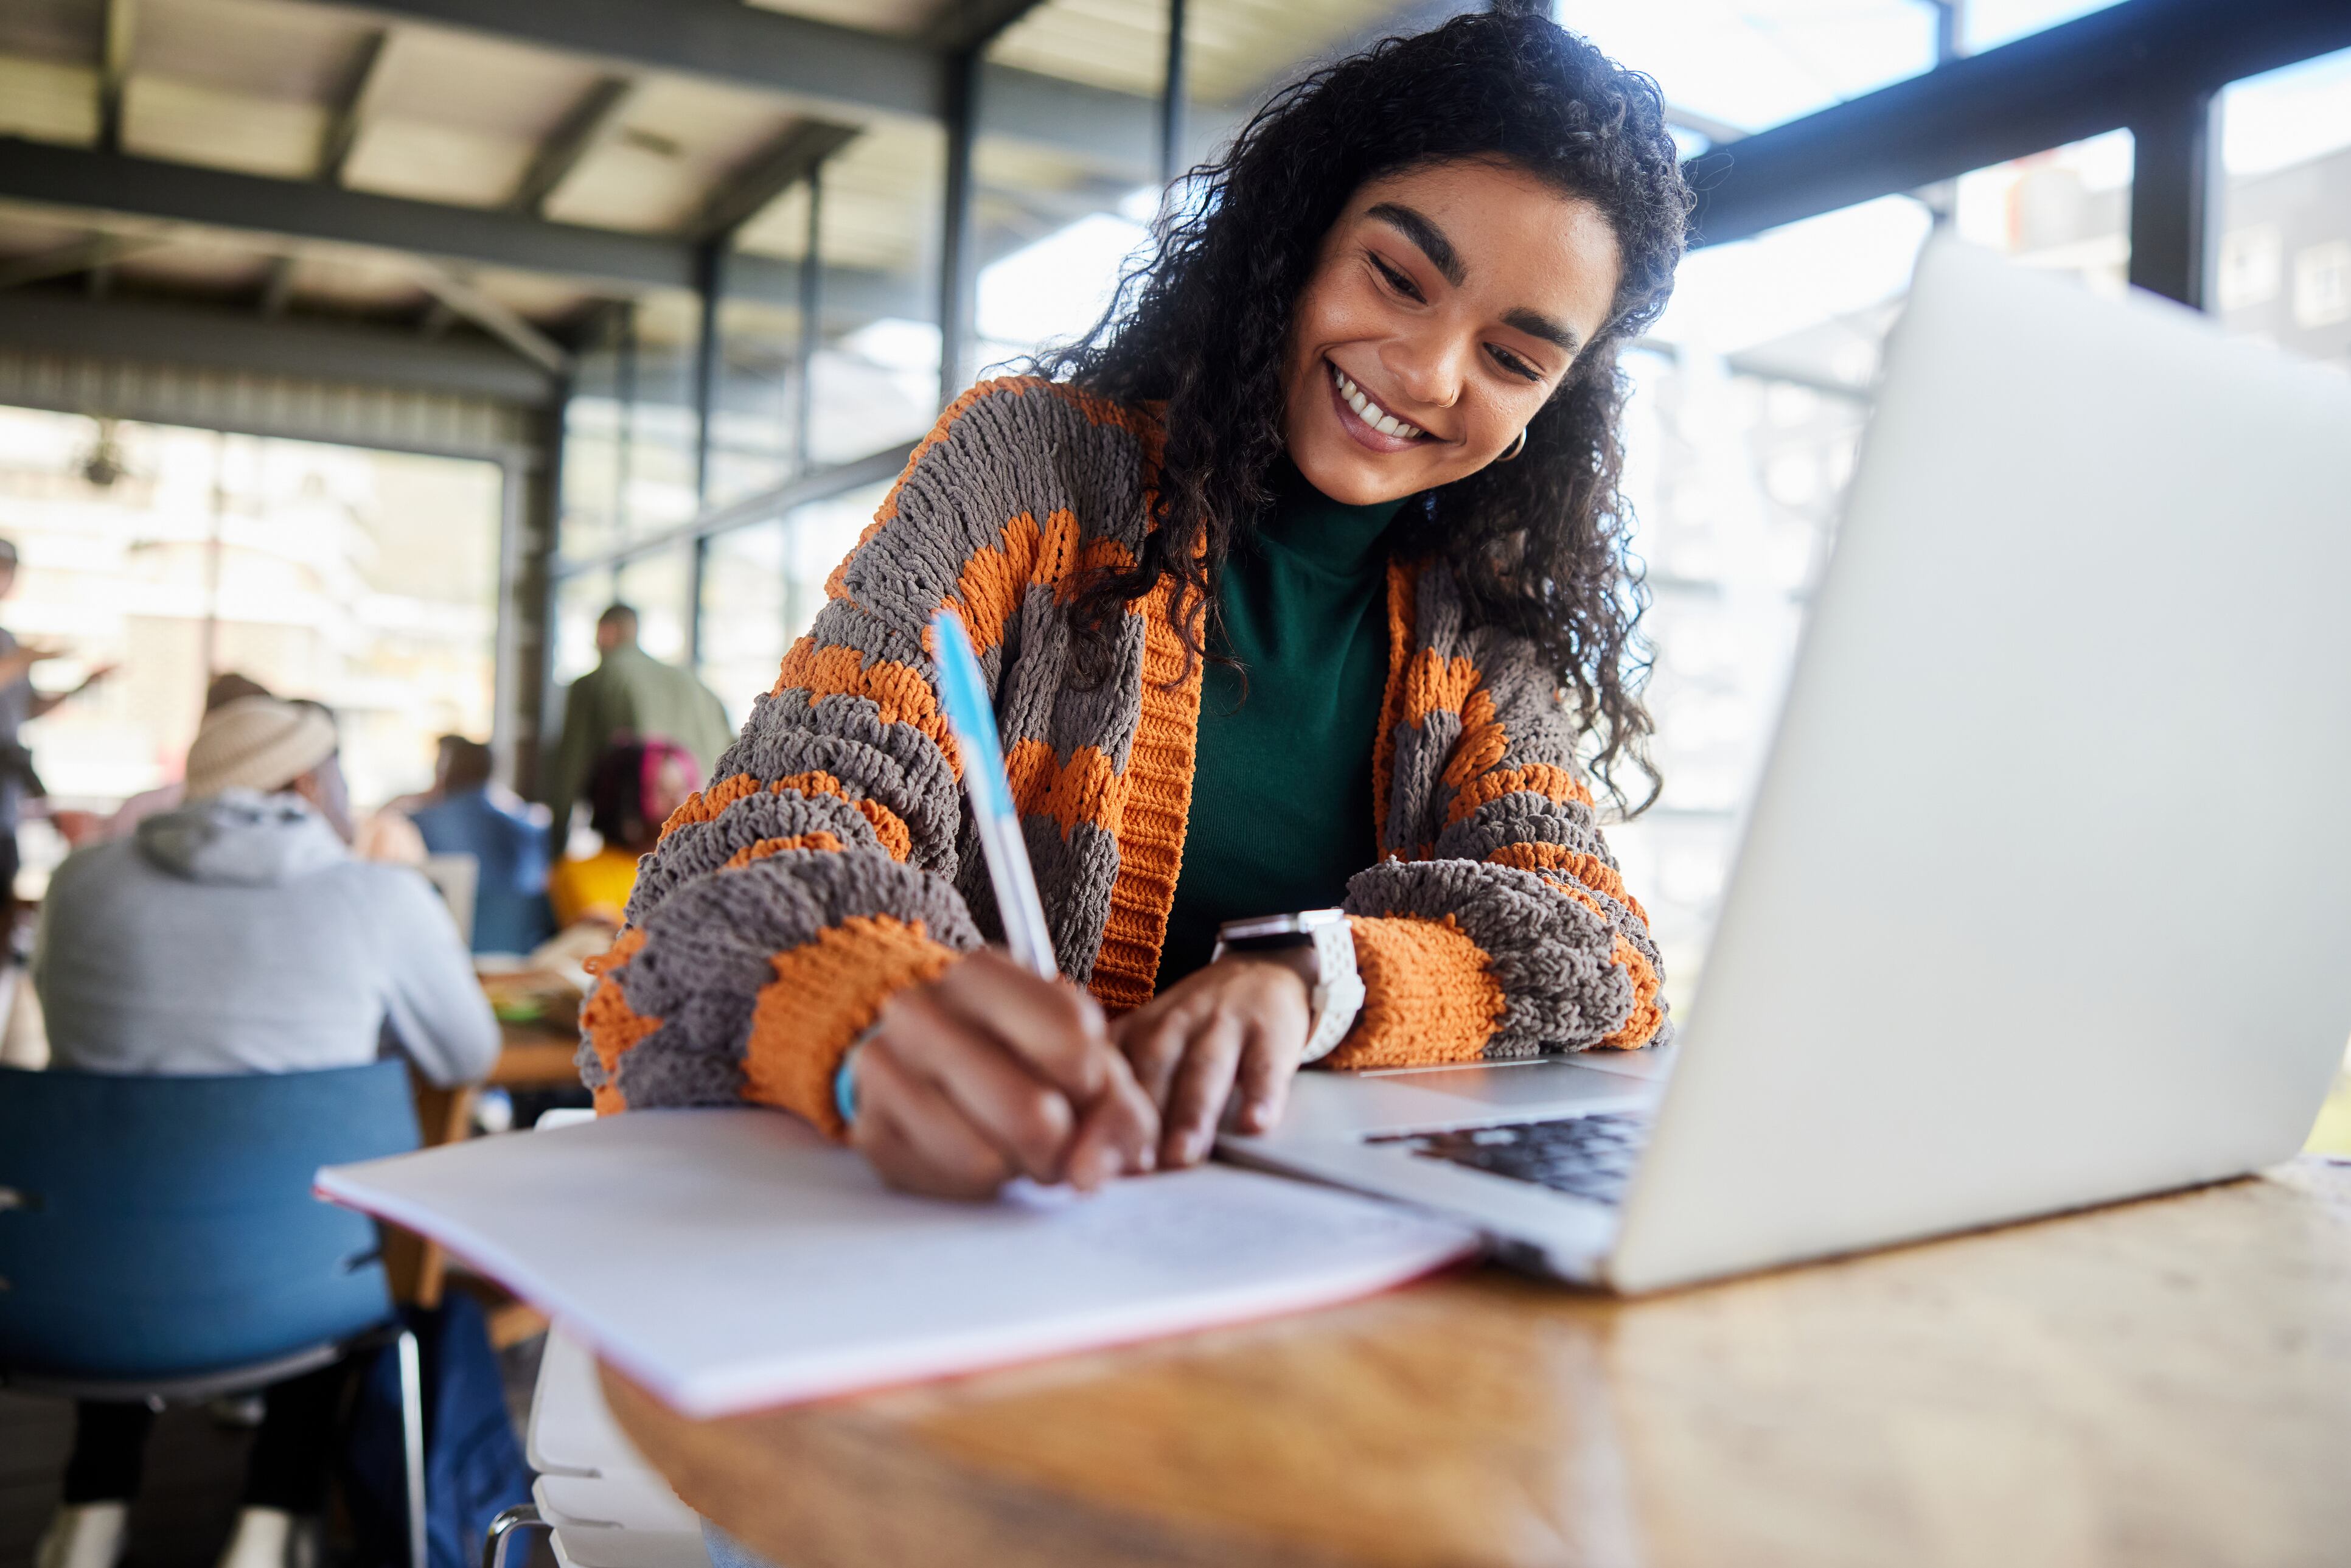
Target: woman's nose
1431, 368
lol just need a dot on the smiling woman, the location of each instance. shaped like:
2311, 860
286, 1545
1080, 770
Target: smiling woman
1299, 581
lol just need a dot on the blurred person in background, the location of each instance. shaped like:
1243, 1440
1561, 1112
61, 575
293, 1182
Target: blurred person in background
19, 704
630, 692
465, 814
238, 933
223, 690
635, 787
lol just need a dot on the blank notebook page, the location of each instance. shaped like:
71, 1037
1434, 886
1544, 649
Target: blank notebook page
730, 1259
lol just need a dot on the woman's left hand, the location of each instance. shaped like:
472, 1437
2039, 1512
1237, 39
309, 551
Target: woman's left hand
1237, 1026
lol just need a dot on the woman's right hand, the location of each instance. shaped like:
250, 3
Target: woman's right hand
989, 1072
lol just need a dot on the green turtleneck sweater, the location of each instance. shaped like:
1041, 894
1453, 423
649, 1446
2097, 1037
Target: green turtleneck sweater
1282, 782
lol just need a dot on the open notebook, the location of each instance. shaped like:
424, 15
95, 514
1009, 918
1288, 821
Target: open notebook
730, 1259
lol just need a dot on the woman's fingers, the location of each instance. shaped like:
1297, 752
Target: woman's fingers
1027, 1118
1268, 1061
1153, 1042
1197, 1098
1050, 1024
1119, 1134
916, 1137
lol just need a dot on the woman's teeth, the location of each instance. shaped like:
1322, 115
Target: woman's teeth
1370, 412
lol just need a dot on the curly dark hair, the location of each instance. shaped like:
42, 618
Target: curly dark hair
1539, 544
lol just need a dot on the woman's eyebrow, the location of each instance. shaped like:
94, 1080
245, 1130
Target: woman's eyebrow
1535, 324
1417, 228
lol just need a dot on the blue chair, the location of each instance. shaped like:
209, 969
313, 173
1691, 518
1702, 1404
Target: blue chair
159, 1240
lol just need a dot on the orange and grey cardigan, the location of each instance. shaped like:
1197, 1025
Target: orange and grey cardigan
829, 861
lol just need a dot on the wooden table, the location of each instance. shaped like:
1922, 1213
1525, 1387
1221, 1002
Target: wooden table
2167, 1383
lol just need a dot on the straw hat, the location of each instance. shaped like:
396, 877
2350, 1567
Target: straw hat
257, 743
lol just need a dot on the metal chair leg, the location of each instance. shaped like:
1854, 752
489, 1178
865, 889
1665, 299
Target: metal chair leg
412, 1424
503, 1528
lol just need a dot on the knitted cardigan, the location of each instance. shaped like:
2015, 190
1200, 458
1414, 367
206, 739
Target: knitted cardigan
829, 861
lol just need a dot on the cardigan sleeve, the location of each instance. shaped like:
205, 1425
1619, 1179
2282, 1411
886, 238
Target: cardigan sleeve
814, 874
1498, 927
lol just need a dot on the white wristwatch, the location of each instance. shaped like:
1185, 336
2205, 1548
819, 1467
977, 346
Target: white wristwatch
1335, 995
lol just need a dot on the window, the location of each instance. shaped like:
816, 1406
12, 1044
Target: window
1750, 400
1988, 23
2282, 267
746, 598
366, 580
1744, 65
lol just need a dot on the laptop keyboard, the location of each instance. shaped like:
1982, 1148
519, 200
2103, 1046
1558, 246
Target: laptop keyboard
1586, 1157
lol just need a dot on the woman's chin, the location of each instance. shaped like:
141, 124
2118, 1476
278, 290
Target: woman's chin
1353, 475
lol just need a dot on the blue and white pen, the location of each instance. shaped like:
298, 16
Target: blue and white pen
963, 693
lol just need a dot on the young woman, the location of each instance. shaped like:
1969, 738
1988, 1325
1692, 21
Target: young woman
1298, 582
633, 789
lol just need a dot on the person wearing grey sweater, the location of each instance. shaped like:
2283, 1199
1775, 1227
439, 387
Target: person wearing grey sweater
238, 934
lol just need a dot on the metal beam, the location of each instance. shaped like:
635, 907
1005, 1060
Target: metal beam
958, 257
775, 169
361, 84
967, 24
766, 505
462, 297
811, 325
113, 71
150, 188
2175, 182
2088, 76
75, 256
855, 73
277, 289
48, 322
137, 192
579, 132
1175, 90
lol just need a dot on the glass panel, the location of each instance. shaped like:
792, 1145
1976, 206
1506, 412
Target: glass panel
744, 602
2066, 210
656, 586
752, 444
594, 462
2283, 271
1745, 64
764, 585
664, 428
1054, 227
365, 580
1987, 23
877, 373
578, 602
1750, 399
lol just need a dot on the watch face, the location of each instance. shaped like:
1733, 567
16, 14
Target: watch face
1300, 925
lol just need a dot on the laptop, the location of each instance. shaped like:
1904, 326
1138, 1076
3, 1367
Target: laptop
2045, 899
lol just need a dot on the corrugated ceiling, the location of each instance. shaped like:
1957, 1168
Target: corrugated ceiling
257, 87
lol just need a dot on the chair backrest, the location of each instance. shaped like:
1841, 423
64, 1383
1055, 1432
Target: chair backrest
164, 1226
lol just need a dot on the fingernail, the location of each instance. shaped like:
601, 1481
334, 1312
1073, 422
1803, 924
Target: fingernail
1257, 1116
1147, 1159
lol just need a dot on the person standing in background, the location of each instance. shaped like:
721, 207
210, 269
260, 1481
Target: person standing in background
19, 704
629, 692
465, 814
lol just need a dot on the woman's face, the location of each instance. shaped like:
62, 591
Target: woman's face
1445, 308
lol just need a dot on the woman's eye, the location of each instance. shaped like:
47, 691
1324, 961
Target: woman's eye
1515, 365
1396, 280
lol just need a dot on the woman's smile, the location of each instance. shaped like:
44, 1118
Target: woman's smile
1361, 416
